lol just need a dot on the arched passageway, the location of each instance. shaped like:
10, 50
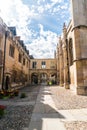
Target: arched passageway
52, 78
34, 78
43, 78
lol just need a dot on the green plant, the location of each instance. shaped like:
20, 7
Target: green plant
1, 95
23, 95
2, 110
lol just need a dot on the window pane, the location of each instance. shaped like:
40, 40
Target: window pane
20, 58
34, 64
11, 51
43, 64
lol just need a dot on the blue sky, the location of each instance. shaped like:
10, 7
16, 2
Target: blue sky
38, 22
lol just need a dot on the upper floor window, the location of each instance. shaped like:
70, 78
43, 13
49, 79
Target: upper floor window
20, 58
23, 61
27, 63
34, 64
43, 64
11, 50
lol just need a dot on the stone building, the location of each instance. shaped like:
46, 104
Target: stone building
14, 58
43, 71
72, 50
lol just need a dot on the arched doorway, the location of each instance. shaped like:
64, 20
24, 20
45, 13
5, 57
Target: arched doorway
34, 78
43, 79
52, 78
7, 82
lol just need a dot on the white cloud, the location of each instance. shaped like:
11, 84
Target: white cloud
40, 9
44, 45
16, 13
56, 1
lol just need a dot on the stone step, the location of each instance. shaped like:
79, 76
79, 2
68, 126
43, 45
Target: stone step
25, 128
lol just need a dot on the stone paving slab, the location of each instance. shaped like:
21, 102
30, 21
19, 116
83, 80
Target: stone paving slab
53, 124
79, 114
37, 125
39, 108
67, 115
46, 116
46, 124
39, 117
75, 114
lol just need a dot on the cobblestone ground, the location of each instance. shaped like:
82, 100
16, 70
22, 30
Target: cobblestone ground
67, 99
76, 125
19, 111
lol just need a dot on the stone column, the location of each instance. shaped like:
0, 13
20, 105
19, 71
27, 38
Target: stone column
57, 58
61, 71
65, 58
39, 78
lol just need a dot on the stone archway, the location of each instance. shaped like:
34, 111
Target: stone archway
43, 78
53, 78
34, 78
7, 84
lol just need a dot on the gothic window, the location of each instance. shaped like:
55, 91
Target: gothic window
70, 52
11, 50
34, 64
27, 64
43, 64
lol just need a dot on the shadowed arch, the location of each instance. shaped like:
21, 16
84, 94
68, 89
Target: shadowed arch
34, 78
43, 78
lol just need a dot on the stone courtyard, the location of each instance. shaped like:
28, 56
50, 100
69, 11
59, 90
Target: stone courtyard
19, 110
45, 108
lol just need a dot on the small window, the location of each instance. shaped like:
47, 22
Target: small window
20, 58
43, 64
11, 50
23, 61
26, 63
34, 64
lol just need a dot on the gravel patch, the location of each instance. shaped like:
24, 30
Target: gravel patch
19, 110
66, 99
76, 125
16, 117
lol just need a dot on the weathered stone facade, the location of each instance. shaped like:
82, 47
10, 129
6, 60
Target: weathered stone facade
72, 50
14, 58
43, 71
